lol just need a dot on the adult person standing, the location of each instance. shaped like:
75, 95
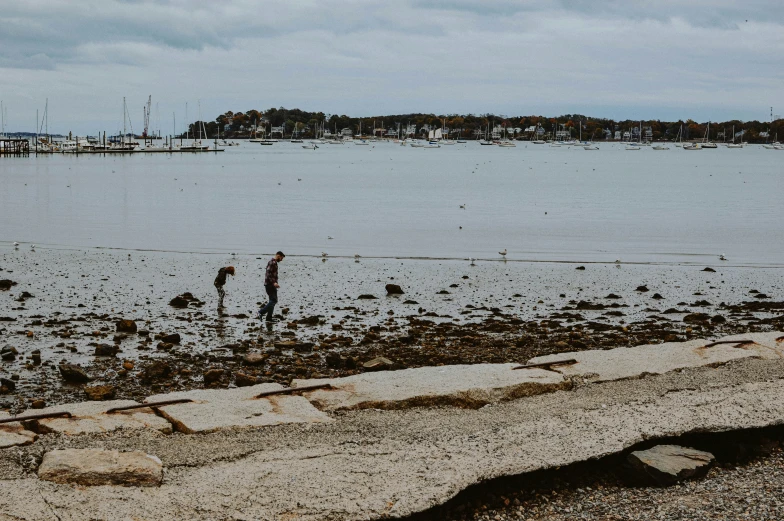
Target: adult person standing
271, 286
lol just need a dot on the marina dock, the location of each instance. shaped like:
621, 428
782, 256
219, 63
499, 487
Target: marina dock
14, 147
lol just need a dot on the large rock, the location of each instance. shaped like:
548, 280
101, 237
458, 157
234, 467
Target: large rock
178, 302
173, 338
394, 289
244, 380
8, 353
155, 370
5, 284
73, 373
378, 364
214, 410
213, 375
469, 386
100, 392
668, 464
126, 326
106, 350
12, 434
254, 359
101, 467
91, 418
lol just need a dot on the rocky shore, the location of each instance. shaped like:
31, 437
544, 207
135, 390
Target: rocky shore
93, 324
745, 486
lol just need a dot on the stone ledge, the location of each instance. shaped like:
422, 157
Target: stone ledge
635, 362
213, 410
396, 476
91, 417
468, 386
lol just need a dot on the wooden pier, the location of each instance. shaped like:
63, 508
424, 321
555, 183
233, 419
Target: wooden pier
14, 147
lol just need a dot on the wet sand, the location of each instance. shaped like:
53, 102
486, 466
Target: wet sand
451, 313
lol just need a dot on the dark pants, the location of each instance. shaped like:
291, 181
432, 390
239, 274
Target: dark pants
272, 293
221, 294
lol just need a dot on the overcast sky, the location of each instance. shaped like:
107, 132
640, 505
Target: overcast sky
704, 59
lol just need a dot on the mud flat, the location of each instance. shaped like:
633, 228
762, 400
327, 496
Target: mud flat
64, 306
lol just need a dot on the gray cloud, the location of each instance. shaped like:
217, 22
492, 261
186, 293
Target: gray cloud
360, 57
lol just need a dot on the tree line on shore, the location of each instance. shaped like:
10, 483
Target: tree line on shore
307, 124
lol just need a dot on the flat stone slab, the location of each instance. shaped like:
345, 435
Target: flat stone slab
470, 386
218, 409
13, 434
101, 467
769, 345
91, 417
395, 463
634, 362
668, 464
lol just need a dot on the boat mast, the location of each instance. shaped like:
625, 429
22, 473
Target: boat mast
125, 109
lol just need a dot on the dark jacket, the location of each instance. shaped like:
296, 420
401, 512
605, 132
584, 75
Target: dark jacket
271, 275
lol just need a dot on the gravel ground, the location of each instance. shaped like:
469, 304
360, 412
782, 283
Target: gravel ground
749, 491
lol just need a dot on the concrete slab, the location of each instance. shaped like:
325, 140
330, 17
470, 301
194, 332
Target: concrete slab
219, 409
635, 362
470, 386
380, 465
769, 345
13, 434
91, 417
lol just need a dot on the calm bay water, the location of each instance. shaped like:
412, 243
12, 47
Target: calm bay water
384, 200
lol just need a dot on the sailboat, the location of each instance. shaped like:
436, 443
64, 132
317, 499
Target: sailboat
486, 140
446, 140
294, 136
734, 144
679, 137
360, 140
707, 143
196, 145
256, 138
505, 141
